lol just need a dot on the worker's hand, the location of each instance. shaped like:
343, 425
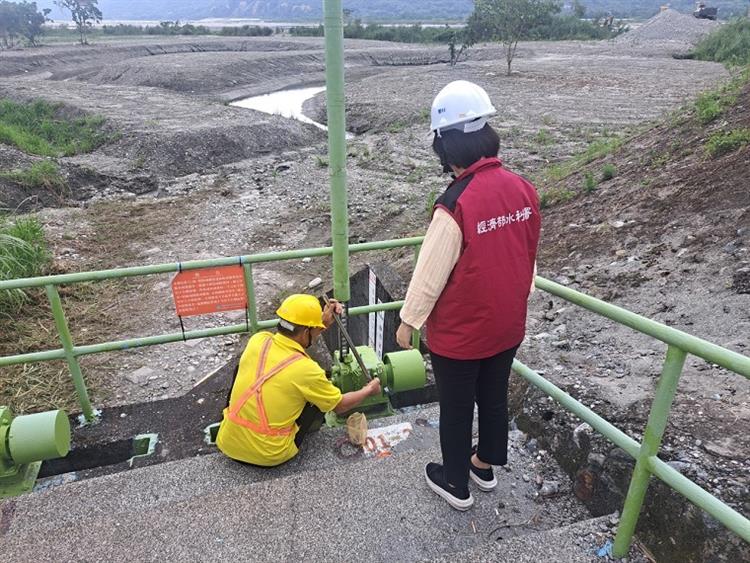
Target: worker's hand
373, 388
331, 307
403, 336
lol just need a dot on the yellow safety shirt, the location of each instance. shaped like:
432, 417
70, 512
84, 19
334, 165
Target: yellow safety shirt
284, 395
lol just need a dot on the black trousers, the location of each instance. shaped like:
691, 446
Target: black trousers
309, 420
460, 384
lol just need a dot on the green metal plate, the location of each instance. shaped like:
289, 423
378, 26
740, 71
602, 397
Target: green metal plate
20, 483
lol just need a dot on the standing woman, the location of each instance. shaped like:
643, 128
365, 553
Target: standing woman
471, 286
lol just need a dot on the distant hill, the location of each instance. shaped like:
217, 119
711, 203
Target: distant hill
277, 10
372, 10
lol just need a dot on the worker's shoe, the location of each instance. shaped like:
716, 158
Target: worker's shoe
484, 478
458, 498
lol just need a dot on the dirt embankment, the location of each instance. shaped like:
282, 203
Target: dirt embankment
669, 238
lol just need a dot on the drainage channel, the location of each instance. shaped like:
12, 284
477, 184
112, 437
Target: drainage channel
102, 455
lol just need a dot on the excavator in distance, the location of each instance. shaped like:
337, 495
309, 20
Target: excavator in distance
705, 12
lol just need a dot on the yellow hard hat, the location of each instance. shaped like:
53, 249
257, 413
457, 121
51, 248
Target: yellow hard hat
301, 309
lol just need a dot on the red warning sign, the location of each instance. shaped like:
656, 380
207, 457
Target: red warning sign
209, 290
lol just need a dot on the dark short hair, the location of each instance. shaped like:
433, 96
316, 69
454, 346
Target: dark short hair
464, 149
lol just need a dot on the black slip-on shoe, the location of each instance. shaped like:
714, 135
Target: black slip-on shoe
457, 498
484, 478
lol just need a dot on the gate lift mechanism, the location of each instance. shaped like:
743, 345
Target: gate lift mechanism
354, 366
25, 442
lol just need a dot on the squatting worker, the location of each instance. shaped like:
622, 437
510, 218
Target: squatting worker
279, 391
471, 285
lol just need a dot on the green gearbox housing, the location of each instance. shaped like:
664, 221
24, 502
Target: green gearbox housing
26, 441
398, 371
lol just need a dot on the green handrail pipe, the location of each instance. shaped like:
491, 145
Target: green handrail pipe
336, 102
682, 340
172, 267
657, 423
131, 343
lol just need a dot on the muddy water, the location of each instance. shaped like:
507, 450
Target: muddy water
287, 103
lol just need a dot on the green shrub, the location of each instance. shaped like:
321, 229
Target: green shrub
543, 137
23, 253
723, 142
589, 183
730, 44
43, 174
599, 148
40, 128
608, 172
709, 106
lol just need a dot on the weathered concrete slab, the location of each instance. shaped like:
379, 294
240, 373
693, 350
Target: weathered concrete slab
365, 512
324, 508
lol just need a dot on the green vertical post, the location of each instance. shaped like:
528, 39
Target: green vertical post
334, 32
252, 308
657, 423
67, 344
415, 336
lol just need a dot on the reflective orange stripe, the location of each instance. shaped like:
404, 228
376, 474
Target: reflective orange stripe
256, 389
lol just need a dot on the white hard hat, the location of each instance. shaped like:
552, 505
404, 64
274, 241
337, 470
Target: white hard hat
461, 105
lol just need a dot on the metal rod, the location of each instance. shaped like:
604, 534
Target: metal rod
657, 423
705, 500
67, 343
335, 101
349, 341
133, 271
121, 345
252, 309
682, 340
617, 436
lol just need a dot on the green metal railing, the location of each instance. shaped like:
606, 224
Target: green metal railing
71, 352
679, 344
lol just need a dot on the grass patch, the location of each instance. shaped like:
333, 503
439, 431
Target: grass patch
552, 196
321, 161
596, 149
396, 127
609, 171
589, 183
543, 137
712, 104
730, 44
43, 386
23, 253
40, 128
43, 174
724, 142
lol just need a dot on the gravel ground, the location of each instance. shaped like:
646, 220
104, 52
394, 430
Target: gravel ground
228, 181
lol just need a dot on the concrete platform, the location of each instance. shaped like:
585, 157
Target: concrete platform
320, 506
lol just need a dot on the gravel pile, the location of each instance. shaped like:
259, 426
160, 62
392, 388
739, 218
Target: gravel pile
670, 25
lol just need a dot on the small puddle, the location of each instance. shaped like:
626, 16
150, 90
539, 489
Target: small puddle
286, 103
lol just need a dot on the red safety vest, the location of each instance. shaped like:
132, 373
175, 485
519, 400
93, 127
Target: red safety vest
256, 389
482, 309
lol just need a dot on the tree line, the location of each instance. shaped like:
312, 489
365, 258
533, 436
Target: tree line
504, 21
19, 22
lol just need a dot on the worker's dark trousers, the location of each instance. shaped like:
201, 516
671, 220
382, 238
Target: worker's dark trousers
460, 384
309, 420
